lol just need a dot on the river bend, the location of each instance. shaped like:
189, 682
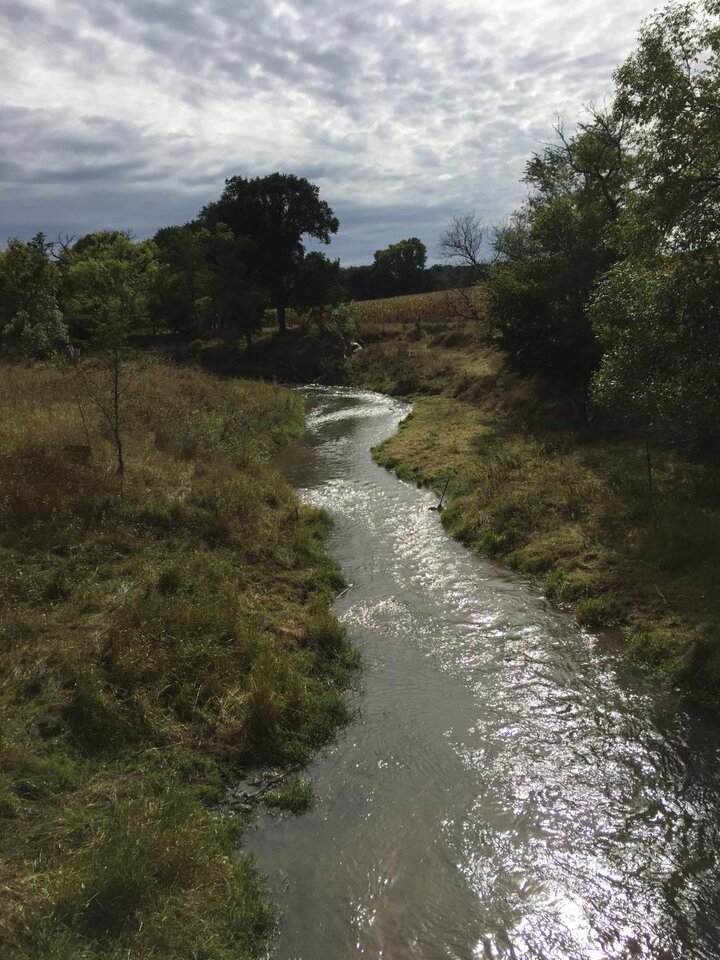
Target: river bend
511, 787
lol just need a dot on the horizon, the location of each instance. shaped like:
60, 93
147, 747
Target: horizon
404, 118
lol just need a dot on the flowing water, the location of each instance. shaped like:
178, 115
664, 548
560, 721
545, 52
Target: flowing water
510, 787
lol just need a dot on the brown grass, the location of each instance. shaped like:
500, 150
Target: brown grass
154, 637
536, 487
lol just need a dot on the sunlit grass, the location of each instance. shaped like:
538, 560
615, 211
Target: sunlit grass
564, 501
154, 637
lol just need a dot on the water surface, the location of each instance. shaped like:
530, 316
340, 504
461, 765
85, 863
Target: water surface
511, 788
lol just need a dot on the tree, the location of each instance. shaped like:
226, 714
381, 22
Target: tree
551, 253
462, 241
657, 314
31, 321
108, 281
401, 266
277, 213
236, 298
461, 245
316, 283
659, 324
182, 279
668, 93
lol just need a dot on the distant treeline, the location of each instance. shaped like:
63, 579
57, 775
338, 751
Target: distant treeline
240, 261
243, 255
400, 269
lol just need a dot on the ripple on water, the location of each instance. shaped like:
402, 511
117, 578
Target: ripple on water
510, 788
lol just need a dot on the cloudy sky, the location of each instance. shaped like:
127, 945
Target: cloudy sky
130, 113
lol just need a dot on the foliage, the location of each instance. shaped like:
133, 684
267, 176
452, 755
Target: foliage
553, 250
276, 212
236, 297
399, 268
182, 281
316, 284
31, 321
668, 93
657, 315
107, 286
107, 280
659, 324
295, 796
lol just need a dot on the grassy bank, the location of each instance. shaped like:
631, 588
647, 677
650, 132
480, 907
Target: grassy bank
151, 644
539, 489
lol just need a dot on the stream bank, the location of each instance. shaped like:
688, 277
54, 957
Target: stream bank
512, 787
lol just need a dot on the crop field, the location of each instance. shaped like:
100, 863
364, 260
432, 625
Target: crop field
380, 319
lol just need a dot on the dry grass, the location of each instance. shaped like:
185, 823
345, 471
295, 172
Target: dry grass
534, 486
150, 643
409, 315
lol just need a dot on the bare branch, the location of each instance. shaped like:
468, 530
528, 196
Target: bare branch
463, 240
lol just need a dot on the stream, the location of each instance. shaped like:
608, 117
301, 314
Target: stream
511, 787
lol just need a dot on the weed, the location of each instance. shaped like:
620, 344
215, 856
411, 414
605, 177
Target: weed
295, 796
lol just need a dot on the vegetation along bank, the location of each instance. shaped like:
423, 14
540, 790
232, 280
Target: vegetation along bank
535, 486
161, 630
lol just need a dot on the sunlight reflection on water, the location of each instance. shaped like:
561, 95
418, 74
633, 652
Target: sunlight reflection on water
510, 788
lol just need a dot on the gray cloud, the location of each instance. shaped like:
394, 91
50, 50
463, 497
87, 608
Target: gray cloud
405, 113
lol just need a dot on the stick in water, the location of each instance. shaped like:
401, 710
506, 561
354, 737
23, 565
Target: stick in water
439, 506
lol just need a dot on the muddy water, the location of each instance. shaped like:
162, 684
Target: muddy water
510, 787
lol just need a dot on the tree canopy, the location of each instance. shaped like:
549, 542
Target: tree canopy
277, 212
31, 321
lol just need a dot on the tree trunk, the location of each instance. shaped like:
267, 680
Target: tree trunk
282, 325
116, 419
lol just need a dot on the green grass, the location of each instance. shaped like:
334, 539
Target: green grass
295, 796
560, 500
151, 645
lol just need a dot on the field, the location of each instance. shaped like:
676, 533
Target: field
160, 632
535, 486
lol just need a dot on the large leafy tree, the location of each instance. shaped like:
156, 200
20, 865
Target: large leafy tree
31, 321
316, 284
400, 266
107, 282
657, 314
182, 279
551, 252
277, 213
668, 95
659, 325
236, 299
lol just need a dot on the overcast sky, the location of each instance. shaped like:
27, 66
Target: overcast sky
405, 112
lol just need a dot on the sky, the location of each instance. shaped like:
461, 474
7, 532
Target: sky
131, 113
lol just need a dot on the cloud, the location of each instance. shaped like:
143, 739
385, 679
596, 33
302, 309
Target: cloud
404, 112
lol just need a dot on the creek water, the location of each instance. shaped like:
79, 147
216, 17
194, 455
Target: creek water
510, 786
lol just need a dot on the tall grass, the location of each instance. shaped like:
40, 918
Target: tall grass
150, 644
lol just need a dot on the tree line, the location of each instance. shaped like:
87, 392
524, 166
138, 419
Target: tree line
607, 279
401, 268
243, 255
